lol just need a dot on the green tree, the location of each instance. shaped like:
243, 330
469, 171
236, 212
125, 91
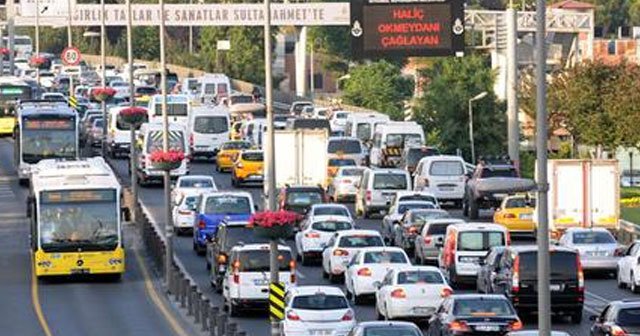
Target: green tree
379, 86
443, 109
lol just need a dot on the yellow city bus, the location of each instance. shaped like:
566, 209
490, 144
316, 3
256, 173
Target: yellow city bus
75, 216
12, 89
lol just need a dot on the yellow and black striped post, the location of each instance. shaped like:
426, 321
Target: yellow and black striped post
73, 102
276, 301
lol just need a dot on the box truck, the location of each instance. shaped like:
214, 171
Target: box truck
301, 157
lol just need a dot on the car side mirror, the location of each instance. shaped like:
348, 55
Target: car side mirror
323, 246
377, 284
126, 214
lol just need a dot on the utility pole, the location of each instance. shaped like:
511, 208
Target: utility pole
544, 296
70, 44
132, 103
191, 34
103, 62
11, 31
168, 228
38, 39
513, 128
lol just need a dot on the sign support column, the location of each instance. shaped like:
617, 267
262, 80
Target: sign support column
103, 63
11, 32
70, 44
513, 128
132, 103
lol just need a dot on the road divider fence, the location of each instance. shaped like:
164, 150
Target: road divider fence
628, 232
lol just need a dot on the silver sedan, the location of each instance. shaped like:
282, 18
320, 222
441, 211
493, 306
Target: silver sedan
599, 250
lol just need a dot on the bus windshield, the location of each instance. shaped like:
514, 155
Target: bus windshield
48, 139
78, 219
10, 94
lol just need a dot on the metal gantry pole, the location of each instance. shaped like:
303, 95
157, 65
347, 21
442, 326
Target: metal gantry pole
544, 298
103, 63
471, 142
513, 128
70, 43
132, 103
11, 31
38, 39
165, 146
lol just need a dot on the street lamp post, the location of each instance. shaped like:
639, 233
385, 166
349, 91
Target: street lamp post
38, 40
471, 141
132, 148
103, 61
70, 43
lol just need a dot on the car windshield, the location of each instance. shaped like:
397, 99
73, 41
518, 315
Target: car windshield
331, 226
237, 145
352, 172
392, 331
341, 162
480, 240
360, 241
437, 228
236, 234
390, 181
304, 197
345, 146
446, 168
415, 154
211, 124
593, 237
258, 261
502, 172
146, 91
319, 301
402, 140
253, 156
363, 131
190, 202
195, 183
563, 265
629, 317
330, 211
482, 307
231, 205
520, 202
404, 207
420, 277
385, 257
420, 217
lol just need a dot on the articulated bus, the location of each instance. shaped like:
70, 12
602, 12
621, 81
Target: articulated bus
75, 219
45, 130
12, 90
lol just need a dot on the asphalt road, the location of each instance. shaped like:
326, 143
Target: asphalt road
600, 290
69, 307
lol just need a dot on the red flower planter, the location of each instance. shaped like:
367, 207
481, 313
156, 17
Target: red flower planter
103, 94
133, 115
274, 225
37, 61
166, 161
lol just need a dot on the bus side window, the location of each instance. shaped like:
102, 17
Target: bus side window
33, 220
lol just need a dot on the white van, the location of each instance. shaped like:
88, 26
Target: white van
390, 139
377, 189
178, 108
465, 246
346, 148
118, 134
191, 87
150, 140
362, 125
338, 120
255, 131
214, 87
208, 130
246, 281
443, 176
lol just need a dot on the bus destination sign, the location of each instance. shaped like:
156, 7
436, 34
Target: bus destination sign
402, 28
74, 196
48, 124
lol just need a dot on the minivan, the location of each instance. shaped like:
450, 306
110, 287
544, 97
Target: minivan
443, 176
149, 140
517, 278
377, 189
118, 135
346, 147
465, 246
208, 129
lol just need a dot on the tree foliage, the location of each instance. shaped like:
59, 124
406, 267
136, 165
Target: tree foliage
379, 86
443, 110
599, 104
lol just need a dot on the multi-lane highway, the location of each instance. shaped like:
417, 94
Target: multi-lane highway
71, 307
600, 290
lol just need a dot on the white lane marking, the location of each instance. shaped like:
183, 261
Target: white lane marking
598, 297
300, 275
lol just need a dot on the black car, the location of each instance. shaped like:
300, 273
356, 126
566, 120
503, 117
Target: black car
229, 235
489, 270
387, 328
618, 318
474, 314
517, 279
299, 199
405, 234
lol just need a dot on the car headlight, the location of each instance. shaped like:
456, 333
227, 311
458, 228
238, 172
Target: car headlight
115, 261
45, 264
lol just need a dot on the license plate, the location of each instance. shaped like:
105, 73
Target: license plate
598, 253
321, 332
260, 282
79, 271
487, 328
499, 196
423, 310
446, 188
555, 288
222, 269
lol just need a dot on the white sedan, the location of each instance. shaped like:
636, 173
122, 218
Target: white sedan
370, 265
184, 211
411, 292
342, 246
315, 234
327, 209
188, 183
397, 211
629, 268
317, 310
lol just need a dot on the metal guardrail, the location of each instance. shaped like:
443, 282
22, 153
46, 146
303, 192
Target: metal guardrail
628, 232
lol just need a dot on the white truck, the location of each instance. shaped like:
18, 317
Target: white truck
583, 193
301, 157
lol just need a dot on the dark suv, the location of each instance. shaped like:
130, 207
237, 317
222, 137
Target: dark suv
299, 199
618, 318
517, 278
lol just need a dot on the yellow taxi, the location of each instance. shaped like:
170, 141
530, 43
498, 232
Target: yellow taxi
142, 101
335, 163
228, 152
236, 130
516, 214
248, 167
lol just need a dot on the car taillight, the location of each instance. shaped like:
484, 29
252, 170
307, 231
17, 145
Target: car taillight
364, 272
515, 286
515, 325
619, 252
398, 293
292, 316
446, 292
411, 230
426, 182
508, 238
191, 140
222, 259
312, 235
368, 196
617, 331
458, 326
184, 212
348, 316
509, 216
236, 274
580, 274
202, 224
340, 253
346, 181
427, 240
